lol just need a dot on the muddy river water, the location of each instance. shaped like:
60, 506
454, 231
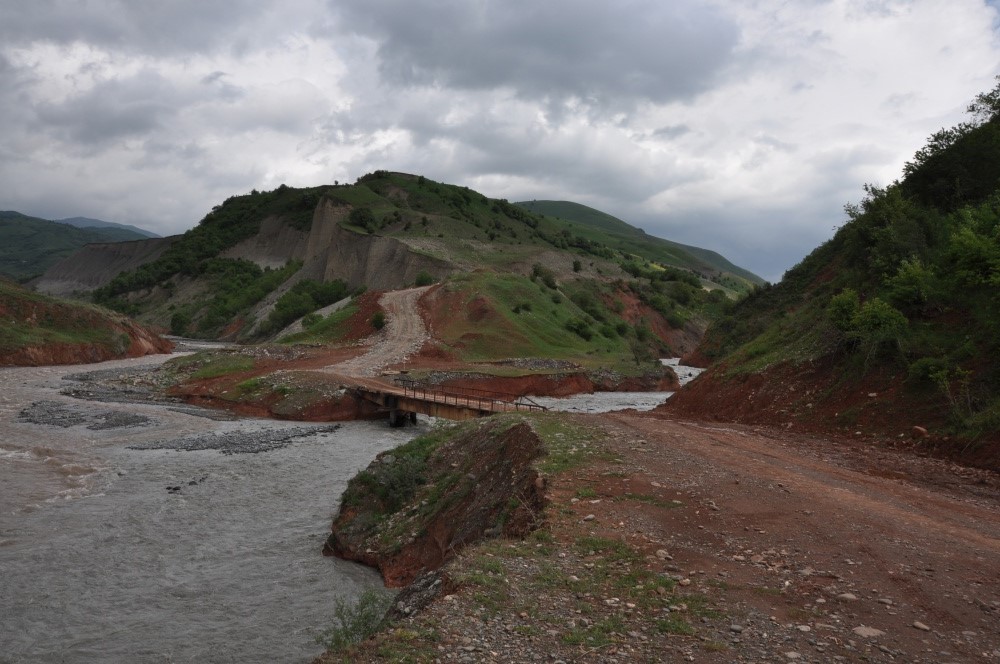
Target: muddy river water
136, 532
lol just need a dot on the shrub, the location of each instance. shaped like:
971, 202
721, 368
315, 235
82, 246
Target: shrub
355, 623
424, 279
378, 320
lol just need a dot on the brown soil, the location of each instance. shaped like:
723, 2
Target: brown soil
877, 407
486, 469
791, 545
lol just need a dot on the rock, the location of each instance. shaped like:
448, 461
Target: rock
803, 628
847, 597
663, 554
918, 432
922, 627
589, 517
416, 596
736, 628
868, 632
793, 655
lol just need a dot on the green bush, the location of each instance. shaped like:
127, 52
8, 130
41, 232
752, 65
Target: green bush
356, 623
424, 279
378, 320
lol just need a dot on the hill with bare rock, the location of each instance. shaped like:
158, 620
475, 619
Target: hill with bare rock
262, 261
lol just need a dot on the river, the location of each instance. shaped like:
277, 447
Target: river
202, 547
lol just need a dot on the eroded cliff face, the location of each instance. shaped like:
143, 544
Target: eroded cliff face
415, 506
376, 262
95, 265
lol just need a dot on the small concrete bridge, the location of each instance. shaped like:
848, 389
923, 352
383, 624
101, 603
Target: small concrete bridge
403, 399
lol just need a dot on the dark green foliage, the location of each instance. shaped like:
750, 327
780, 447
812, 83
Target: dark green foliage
423, 279
238, 218
364, 218
378, 320
395, 480
912, 278
547, 277
179, 324
581, 328
303, 298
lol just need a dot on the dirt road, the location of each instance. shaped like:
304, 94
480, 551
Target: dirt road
403, 335
779, 547
807, 545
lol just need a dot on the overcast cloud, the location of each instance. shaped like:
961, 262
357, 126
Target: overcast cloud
742, 127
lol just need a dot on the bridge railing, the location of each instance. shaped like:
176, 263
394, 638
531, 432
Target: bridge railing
469, 397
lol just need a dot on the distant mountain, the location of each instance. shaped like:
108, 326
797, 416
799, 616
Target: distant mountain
87, 222
29, 245
618, 234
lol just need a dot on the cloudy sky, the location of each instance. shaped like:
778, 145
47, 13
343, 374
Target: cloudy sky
742, 126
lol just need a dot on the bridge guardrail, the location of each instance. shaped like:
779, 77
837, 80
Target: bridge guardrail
469, 397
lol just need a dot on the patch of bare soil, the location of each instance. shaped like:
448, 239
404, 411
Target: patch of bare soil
403, 335
688, 541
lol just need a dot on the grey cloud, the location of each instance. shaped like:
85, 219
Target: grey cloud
112, 110
602, 54
171, 26
671, 131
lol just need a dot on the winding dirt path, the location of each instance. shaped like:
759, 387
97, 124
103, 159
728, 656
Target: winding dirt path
402, 336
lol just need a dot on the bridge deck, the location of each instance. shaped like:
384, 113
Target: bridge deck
450, 403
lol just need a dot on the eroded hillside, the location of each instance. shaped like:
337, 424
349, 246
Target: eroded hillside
259, 262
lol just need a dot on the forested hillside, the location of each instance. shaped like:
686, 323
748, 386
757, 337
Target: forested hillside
29, 246
894, 322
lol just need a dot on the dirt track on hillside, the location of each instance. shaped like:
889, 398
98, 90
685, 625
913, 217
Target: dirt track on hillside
403, 335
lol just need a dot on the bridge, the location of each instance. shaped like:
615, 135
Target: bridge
404, 399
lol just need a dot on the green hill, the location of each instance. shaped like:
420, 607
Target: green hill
614, 232
893, 323
37, 330
259, 261
29, 246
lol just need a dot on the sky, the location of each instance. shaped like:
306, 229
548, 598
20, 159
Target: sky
741, 126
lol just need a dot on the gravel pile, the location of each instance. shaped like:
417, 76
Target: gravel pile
237, 442
128, 385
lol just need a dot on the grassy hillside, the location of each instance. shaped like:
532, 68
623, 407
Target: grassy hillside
29, 246
614, 232
455, 225
901, 305
38, 329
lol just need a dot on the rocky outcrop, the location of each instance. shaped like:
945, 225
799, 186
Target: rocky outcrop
376, 262
95, 265
415, 506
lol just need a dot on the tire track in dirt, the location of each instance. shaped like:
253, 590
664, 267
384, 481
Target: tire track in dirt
403, 335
